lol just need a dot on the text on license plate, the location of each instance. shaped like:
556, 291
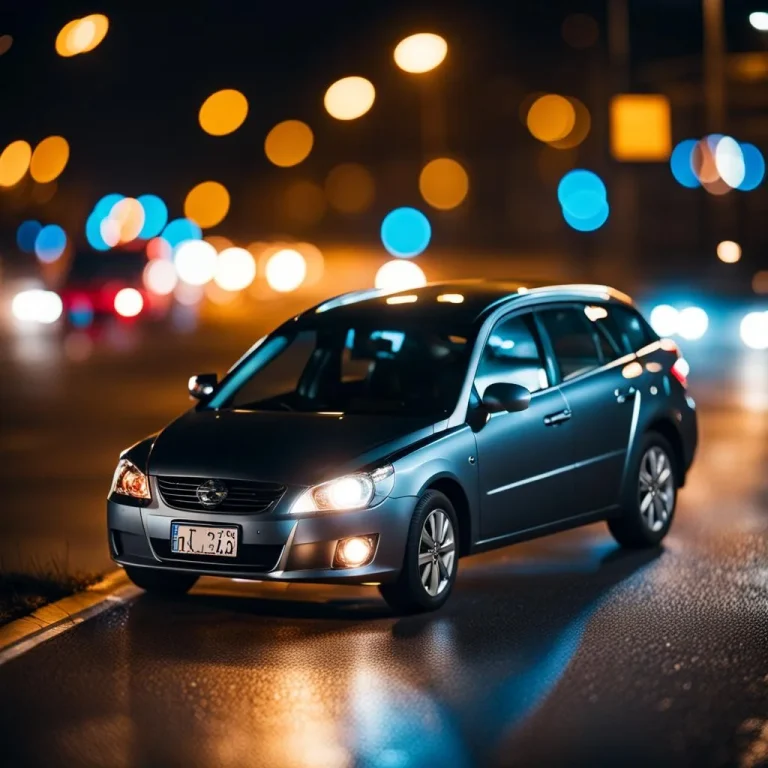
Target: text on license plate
203, 540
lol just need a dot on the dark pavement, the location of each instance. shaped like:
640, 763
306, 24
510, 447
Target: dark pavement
560, 651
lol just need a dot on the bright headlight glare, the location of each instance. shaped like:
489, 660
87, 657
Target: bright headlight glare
129, 480
345, 493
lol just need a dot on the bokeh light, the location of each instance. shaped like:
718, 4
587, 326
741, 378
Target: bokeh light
640, 127
443, 183
37, 306
405, 232
760, 282
399, 275
583, 198
159, 277
195, 262
728, 251
551, 118
421, 52
126, 220
159, 248
26, 234
581, 127
128, 302
754, 330
681, 164
729, 161
580, 30
155, 216
207, 204
82, 35
6, 41
754, 167
692, 323
304, 202
349, 98
285, 270
759, 20
223, 112
664, 320
219, 242
50, 243
350, 188
179, 230
288, 143
80, 311
14, 162
235, 269
49, 159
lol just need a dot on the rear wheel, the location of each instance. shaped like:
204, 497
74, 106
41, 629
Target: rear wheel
431, 558
650, 496
159, 582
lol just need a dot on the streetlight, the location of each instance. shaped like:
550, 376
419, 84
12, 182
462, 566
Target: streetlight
759, 20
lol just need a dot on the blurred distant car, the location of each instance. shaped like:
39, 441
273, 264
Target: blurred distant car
377, 438
90, 292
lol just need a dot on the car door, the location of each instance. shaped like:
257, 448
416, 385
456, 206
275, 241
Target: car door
596, 378
522, 457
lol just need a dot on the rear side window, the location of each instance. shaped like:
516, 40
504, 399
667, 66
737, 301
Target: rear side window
628, 330
573, 341
512, 355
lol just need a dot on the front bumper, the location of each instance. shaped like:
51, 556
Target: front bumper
272, 546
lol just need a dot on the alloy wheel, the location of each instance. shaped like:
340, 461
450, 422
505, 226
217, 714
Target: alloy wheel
437, 552
656, 488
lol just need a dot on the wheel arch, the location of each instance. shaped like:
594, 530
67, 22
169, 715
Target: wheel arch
665, 427
451, 488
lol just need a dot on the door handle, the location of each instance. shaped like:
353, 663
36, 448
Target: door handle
557, 418
622, 395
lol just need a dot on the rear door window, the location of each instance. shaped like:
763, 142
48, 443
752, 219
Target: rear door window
573, 340
627, 328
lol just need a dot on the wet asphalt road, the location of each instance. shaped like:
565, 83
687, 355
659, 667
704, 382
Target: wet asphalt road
560, 651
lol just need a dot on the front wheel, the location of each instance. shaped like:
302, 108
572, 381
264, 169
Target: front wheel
431, 558
158, 582
650, 496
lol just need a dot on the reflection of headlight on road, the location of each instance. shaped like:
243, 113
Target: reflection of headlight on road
692, 323
754, 330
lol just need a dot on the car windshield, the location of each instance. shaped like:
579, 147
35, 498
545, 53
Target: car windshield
351, 367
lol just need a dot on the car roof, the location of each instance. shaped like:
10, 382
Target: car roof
464, 301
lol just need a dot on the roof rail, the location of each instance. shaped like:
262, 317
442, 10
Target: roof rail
351, 297
599, 291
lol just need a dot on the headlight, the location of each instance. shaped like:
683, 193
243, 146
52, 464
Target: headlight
349, 492
129, 480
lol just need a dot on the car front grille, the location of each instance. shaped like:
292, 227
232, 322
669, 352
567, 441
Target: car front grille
243, 496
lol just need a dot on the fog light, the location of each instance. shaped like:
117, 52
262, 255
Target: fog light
354, 552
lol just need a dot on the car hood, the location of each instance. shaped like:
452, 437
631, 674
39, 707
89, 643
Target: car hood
288, 448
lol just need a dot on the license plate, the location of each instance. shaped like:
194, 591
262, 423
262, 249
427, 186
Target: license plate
210, 540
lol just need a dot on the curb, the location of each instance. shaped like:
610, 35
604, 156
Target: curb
27, 632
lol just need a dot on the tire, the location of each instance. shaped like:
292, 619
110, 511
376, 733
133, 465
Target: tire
409, 594
157, 582
649, 496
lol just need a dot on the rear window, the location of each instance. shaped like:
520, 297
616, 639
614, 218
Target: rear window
573, 342
627, 329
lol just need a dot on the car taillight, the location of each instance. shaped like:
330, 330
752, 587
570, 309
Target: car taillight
680, 371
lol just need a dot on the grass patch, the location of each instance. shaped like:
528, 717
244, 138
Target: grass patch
23, 593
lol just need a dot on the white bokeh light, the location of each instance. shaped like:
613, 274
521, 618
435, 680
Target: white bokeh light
664, 320
729, 161
399, 275
692, 323
195, 262
754, 330
285, 270
128, 302
37, 306
235, 269
160, 277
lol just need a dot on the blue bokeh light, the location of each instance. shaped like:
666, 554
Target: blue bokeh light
681, 164
754, 167
580, 182
93, 232
50, 243
180, 230
81, 312
590, 223
155, 216
26, 235
405, 232
104, 207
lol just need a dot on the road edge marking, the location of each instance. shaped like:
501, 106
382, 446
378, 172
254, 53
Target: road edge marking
50, 620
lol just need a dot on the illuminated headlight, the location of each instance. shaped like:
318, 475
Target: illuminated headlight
349, 492
129, 480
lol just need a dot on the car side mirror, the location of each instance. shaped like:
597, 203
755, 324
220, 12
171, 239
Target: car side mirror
201, 385
506, 397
